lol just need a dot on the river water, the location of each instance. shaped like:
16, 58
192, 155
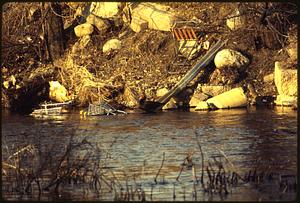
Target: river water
130, 149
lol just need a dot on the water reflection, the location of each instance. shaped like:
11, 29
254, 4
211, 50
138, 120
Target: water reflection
132, 147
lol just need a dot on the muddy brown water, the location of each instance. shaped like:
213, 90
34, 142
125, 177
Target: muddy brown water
132, 146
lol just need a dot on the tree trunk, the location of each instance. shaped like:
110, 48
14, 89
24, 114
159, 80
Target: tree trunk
54, 31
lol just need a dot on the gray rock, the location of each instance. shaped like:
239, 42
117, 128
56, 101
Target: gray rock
228, 58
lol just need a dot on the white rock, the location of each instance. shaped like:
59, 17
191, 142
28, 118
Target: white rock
285, 100
196, 98
228, 58
235, 21
138, 25
230, 99
112, 44
58, 92
157, 16
105, 9
83, 29
285, 80
170, 105
97, 22
202, 105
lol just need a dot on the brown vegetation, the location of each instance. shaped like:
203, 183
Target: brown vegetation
145, 61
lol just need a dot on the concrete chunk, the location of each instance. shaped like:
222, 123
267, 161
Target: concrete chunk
105, 9
231, 99
196, 98
138, 25
154, 14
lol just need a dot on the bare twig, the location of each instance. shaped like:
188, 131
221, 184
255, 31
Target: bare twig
202, 156
162, 163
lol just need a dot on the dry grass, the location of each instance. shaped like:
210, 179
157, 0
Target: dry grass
84, 86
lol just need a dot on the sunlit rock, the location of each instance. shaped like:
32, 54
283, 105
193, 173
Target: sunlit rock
157, 16
196, 98
202, 105
228, 58
112, 44
138, 25
285, 100
230, 99
105, 9
83, 29
170, 105
286, 85
161, 92
285, 80
58, 92
235, 20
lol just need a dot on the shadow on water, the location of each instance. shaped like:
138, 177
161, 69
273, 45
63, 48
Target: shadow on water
246, 154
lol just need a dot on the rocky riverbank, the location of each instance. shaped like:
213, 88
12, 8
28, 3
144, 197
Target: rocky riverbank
120, 52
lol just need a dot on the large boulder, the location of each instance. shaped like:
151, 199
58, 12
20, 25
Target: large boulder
99, 23
286, 84
228, 58
58, 92
83, 29
285, 80
230, 99
112, 44
157, 16
105, 9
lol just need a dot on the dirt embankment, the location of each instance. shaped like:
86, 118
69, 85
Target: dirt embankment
145, 61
